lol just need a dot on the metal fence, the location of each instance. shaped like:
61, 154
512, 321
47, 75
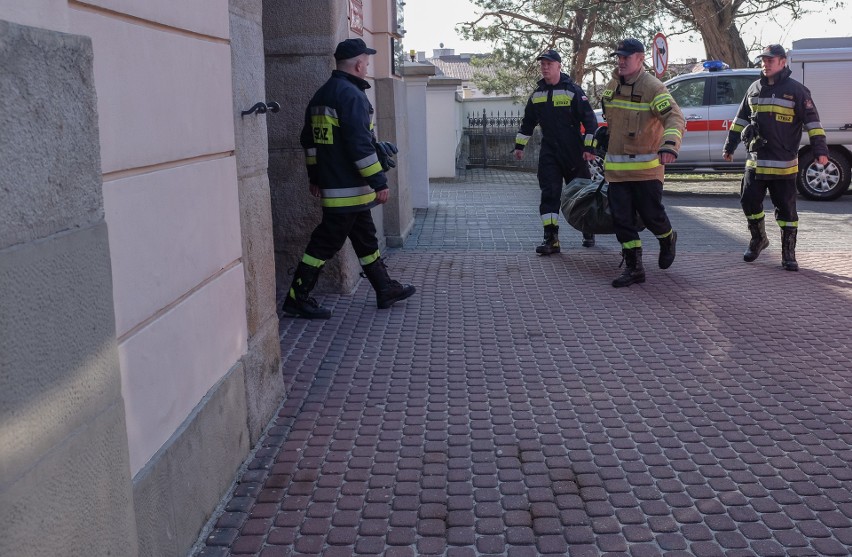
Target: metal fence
489, 142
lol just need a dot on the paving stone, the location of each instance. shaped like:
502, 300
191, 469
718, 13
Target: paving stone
372, 527
611, 543
231, 520
830, 547
431, 546
222, 537
637, 533
276, 551
309, 544
520, 535
551, 544
214, 551
645, 550
696, 532
705, 549
731, 540
522, 551
579, 535
460, 552
791, 538
671, 542
583, 551
503, 414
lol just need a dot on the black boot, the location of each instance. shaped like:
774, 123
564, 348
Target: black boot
759, 241
298, 303
633, 272
388, 291
588, 240
667, 250
788, 248
550, 245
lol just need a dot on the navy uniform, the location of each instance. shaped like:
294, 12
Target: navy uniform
770, 121
343, 160
559, 109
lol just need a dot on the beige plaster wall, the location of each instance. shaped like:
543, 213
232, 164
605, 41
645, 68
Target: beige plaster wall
164, 96
444, 123
44, 14
205, 17
173, 395
64, 465
163, 79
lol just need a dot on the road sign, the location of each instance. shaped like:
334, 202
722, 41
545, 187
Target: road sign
660, 54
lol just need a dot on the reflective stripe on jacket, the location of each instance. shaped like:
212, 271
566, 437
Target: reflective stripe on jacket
339, 145
644, 121
782, 110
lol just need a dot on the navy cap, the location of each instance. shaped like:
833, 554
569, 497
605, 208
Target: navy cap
350, 48
551, 55
771, 51
628, 47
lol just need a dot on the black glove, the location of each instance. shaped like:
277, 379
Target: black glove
751, 138
385, 150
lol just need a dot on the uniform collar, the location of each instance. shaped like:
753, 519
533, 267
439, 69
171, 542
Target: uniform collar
563, 78
779, 77
357, 81
623, 81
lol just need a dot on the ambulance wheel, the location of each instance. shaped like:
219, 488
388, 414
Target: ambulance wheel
823, 183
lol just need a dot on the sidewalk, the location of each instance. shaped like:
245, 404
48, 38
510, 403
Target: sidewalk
519, 405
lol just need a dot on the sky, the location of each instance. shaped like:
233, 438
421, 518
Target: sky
431, 22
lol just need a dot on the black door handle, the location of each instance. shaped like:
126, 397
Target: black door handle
262, 107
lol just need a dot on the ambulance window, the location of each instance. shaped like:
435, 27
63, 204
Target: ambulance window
688, 93
732, 89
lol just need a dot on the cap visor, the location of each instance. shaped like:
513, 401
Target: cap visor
370, 51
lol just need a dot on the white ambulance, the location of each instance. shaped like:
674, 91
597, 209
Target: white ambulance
824, 65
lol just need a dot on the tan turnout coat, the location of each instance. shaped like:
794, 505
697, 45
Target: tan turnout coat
644, 121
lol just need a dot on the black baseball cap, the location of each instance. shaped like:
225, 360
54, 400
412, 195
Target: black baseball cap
771, 51
350, 48
551, 55
628, 47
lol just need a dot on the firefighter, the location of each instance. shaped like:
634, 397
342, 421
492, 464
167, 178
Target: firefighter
770, 120
645, 130
559, 106
346, 169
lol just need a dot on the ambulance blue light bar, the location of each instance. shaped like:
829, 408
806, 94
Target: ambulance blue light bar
715, 65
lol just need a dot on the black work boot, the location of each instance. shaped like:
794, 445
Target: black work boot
388, 291
550, 245
633, 272
759, 241
788, 248
298, 303
667, 250
588, 240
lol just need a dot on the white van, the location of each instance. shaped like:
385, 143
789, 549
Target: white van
824, 66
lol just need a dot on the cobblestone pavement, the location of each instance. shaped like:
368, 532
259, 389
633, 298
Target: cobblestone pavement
519, 405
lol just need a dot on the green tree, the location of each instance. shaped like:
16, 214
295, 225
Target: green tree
584, 31
521, 29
